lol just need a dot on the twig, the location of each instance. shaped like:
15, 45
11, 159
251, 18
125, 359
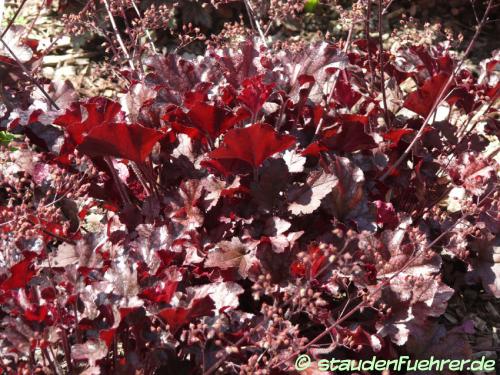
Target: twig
56, 236
46, 354
55, 359
335, 78
11, 22
28, 74
38, 11
140, 177
493, 153
474, 10
381, 63
320, 122
119, 184
367, 32
349, 38
118, 36
332, 326
387, 7
148, 34
255, 21
440, 97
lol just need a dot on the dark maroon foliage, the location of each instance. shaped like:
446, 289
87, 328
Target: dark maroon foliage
231, 211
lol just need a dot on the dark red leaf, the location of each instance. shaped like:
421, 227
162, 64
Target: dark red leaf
395, 136
20, 274
161, 294
344, 93
422, 100
386, 214
461, 97
298, 269
176, 317
319, 260
99, 111
238, 67
127, 311
351, 137
198, 94
253, 144
314, 149
255, 93
133, 142
306, 198
107, 335
206, 120
38, 314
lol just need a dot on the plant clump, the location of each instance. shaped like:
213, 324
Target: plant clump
234, 209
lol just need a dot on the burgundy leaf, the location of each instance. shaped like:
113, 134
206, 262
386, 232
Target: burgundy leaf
348, 195
273, 181
253, 144
98, 111
20, 274
386, 214
294, 161
37, 314
230, 254
350, 137
254, 94
237, 67
206, 120
224, 294
132, 142
344, 93
486, 267
422, 100
176, 317
159, 293
395, 135
307, 198
107, 335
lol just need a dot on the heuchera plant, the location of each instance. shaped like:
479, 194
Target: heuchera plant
240, 208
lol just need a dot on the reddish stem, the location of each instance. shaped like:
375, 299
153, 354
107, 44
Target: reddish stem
11, 22
381, 63
28, 74
367, 33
